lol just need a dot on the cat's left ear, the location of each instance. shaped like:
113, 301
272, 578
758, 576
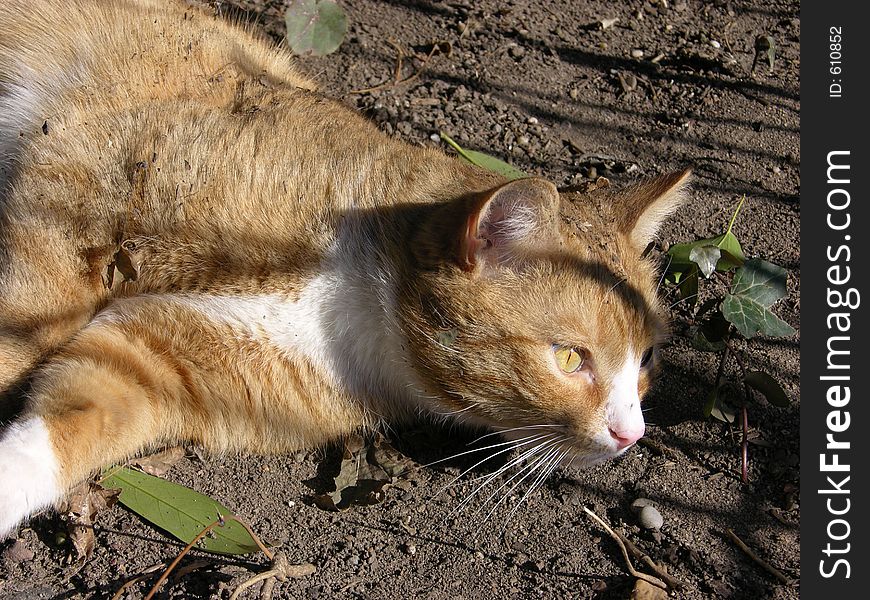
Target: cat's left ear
641, 210
520, 215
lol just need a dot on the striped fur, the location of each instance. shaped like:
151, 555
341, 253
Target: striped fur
298, 275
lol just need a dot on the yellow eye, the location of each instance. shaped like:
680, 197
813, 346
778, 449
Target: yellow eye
569, 358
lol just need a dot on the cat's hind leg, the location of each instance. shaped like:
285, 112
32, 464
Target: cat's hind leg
49, 289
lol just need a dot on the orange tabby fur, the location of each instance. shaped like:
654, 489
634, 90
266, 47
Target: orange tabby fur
299, 275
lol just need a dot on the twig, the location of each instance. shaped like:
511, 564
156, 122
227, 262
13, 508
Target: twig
744, 445
634, 573
758, 560
145, 575
281, 570
219, 522
396, 81
672, 582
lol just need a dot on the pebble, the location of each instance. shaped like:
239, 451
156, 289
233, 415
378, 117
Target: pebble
532, 121
650, 518
715, 44
435, 138
638, 504
523, 140
637, 53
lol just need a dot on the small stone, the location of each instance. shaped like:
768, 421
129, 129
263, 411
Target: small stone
410, 549
435, 138
638, 504
650, 518
523, 140
715, 44
637, 53
532, 121
517, 51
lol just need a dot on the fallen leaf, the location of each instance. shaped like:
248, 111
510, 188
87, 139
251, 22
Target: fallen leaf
367, 470
82, 506
159, 463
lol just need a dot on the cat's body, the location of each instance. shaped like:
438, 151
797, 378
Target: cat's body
194, 245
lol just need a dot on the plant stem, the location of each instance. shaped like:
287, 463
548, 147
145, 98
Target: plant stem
744, 471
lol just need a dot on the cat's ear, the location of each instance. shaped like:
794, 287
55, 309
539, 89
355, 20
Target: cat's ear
520, 215
641, 210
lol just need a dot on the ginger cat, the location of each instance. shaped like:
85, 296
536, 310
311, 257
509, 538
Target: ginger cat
196, 245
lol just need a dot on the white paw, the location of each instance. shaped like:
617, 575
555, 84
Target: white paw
28, 472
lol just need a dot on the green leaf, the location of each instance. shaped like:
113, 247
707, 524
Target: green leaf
706, 258
751, 318
689, 286
761, 281
768, 386
315, 26
731, 254
756, 286
484, 160
179, 510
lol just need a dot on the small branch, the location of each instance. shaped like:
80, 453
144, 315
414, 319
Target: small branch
281, 570
396, 81
672, 582
219, 522
758, 560
634, 573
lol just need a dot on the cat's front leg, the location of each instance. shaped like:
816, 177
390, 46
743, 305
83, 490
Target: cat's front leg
154, 370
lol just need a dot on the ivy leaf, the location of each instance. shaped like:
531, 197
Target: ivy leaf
484, 160
179, 510
315, 27
706, 258
731, 254
756, 286
768, 386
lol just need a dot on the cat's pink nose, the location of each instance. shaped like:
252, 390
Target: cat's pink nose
626, 437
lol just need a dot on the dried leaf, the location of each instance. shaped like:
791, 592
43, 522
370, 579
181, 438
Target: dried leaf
706, 258
83, 505
365, 473
158, 464
124, 266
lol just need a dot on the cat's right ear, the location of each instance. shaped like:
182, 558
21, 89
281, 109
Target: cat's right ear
642, 209
502, 223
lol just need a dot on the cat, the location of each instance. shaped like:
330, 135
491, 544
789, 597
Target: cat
196, 245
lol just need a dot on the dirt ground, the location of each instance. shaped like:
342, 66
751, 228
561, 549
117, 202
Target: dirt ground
547, 87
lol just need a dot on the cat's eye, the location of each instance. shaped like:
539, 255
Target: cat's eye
646, 359
569, 358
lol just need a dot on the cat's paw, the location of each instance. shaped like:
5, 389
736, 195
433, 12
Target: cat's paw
28, 472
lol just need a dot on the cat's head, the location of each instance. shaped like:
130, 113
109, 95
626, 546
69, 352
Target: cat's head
540, 323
